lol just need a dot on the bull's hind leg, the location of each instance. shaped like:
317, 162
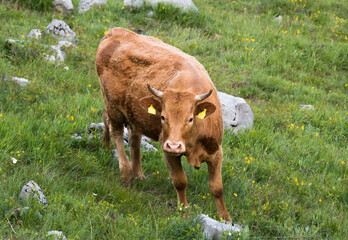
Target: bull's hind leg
134, 143
178, 177
215, 185
115, 125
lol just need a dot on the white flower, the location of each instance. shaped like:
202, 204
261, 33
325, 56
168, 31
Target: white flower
94, 194
14, 160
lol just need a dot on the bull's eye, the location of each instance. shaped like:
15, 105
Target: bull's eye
162, 118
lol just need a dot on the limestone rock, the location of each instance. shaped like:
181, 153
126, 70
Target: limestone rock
185, 5
278, 19
15, 47
61, 30
55, 235
236, 112
34, 33
214, 230
64, 6
31, 189
85, 5
49, 58
306, 107
21, 81
58, 52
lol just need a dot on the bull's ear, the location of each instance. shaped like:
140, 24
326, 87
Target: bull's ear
151, 105
205, 109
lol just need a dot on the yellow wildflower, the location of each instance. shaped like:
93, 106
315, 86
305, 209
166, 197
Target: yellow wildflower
235, 194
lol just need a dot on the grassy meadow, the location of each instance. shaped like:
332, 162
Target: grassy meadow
287, 178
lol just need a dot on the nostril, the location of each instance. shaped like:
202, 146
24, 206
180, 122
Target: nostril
168, 146
179, 146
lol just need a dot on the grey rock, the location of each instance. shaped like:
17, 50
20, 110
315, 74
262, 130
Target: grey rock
60, 29
12, 42
34, 33
56, 235
214, 230
278, 19
185, 5
237, 114
31, 189
96, 127
77, 136
16, 47
21, 81
306, 107
64, 6
59, 52
85, 5
149, 14
49, 58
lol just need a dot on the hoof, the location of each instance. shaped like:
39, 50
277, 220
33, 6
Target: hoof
140, 176
126, 174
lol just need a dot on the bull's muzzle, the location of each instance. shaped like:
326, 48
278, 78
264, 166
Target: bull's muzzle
174, 147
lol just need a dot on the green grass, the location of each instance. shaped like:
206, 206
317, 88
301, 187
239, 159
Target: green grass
289, 172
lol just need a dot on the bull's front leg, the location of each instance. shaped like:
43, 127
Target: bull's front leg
178, 176
215, 185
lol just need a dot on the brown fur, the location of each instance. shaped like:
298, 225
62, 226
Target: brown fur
126, 63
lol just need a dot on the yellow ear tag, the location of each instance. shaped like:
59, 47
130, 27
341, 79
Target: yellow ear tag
151, 110
202, 114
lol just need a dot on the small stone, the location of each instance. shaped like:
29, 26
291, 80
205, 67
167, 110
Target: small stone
21, 81
85, 5
64, 6
60, 56
35, 33
278, 19
49, 58
184, 5
55, 235
60, 29
31, 189
306, 107
214, 230
149, 14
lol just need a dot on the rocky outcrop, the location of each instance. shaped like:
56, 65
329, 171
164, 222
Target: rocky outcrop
236, 112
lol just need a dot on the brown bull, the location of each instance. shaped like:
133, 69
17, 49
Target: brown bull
158, 91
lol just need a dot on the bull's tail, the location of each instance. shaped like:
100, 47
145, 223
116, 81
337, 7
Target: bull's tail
106, 137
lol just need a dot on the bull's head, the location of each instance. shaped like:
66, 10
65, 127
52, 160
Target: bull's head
179, 112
